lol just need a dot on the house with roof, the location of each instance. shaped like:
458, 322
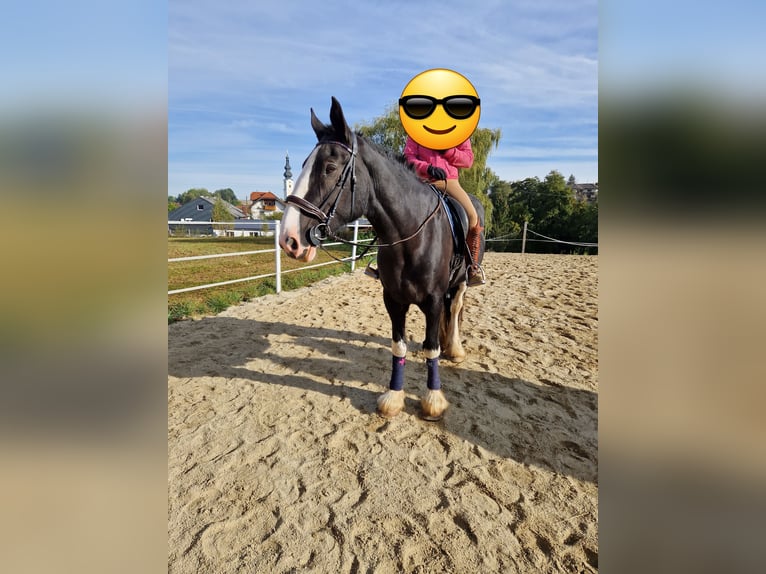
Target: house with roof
265, 203
585, 191
244, 207
199, 210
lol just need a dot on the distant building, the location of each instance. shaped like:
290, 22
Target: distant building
244, 207
248, 217
287, 188
585, 191
263, 203
200, 209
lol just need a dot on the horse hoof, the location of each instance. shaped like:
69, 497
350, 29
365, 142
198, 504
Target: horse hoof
433, 405
455, 357
390, 403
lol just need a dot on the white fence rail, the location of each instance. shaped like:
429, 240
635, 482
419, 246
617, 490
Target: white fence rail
276, 250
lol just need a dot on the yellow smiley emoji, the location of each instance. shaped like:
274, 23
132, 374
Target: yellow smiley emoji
439, 109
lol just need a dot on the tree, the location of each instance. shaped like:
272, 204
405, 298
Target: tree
192, 194
555, 206
584, 221
221, 213
172, 203
477, 179
526, 194
505, 222
227, 195
513, 204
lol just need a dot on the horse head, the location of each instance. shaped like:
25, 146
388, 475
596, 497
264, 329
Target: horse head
323, 197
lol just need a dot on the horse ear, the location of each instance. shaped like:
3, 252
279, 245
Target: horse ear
318, 126
338, 121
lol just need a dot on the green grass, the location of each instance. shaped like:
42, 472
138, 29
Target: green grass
214, 300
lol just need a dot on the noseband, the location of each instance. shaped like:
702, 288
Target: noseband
321, 231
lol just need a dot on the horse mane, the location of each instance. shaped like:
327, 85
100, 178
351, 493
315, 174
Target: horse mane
396, 159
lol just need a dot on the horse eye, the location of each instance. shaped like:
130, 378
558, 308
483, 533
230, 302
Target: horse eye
329, 168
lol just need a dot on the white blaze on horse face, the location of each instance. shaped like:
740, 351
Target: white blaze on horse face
291, 217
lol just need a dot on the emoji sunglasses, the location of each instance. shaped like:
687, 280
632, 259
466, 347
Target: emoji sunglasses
458, 107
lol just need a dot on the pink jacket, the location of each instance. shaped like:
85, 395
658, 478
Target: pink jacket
421, 157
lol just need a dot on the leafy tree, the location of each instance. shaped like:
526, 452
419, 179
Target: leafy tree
512, 204
525, 198
550, 208
555, 206
172, 203
584, 221
505, 215
192, 194
478, 179
227, 195
221, 213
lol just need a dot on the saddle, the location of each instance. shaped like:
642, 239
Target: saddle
458, 221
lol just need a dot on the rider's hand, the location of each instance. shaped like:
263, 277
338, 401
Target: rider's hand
436, 173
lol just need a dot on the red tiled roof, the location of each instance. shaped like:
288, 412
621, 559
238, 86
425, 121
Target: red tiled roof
259, 195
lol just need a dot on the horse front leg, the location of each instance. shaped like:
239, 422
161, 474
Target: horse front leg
433, 404
391, 402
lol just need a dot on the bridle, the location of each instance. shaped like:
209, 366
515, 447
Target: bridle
321, 231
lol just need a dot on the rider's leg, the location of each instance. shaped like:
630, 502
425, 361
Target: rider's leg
455, 190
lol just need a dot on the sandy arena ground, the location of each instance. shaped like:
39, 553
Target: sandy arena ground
278, 463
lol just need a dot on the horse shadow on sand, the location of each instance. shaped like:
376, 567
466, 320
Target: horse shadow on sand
546, 424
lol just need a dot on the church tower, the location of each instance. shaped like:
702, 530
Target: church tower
288, 175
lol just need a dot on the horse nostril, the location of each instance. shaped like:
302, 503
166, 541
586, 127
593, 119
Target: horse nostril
291, 243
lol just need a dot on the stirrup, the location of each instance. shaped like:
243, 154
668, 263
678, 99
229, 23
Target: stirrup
476, 276
370, 271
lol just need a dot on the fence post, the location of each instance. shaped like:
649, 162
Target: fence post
278, 256
524, 238
353, 247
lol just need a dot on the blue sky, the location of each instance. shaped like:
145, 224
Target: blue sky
243, 75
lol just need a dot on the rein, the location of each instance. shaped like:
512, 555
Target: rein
322, 231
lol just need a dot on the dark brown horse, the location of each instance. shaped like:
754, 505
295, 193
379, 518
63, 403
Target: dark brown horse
346, 177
